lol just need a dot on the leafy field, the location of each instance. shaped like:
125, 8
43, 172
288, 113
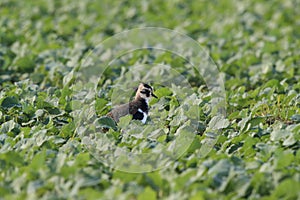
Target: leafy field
46, 154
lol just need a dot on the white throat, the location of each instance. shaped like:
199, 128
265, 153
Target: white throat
147, 101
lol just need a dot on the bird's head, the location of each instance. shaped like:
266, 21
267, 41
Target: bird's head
144, 91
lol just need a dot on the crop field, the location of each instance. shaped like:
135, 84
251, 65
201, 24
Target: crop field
225, 125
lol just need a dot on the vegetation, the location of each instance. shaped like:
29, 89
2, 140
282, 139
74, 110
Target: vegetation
44, 154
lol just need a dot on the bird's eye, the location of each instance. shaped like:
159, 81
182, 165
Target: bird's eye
144, 91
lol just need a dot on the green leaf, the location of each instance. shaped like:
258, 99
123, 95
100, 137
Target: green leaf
287, 189
90, 193
218, 122
290, 140
107, 122
82, 159
277, 135
25, 64
283, 159
9, 126
100, 105
38, 160
162, 92
124, 121
67, 130
198, 196
13, 158
296, 118
10, 102
47, 106
147, 194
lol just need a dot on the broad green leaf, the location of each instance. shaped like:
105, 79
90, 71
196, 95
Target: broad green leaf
162, 92
38, 161
288, 189
283, 159
67, 130
147, 194
10, 101
25, 64
107, 122
124, 121
13, 158
90, 193
277, 135
218, 122
9, 126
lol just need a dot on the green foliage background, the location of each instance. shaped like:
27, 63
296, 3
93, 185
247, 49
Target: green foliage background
255, 43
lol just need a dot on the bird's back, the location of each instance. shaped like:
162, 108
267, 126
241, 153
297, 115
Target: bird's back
119, 111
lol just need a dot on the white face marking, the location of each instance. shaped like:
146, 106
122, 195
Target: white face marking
145, 116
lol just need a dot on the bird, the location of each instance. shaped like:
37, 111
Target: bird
138, 107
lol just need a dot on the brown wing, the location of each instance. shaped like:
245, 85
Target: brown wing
134, 106
119, 111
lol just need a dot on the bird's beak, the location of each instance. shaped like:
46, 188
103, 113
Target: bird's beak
153, 95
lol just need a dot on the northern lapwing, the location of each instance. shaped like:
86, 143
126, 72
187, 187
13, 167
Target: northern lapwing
138, 108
